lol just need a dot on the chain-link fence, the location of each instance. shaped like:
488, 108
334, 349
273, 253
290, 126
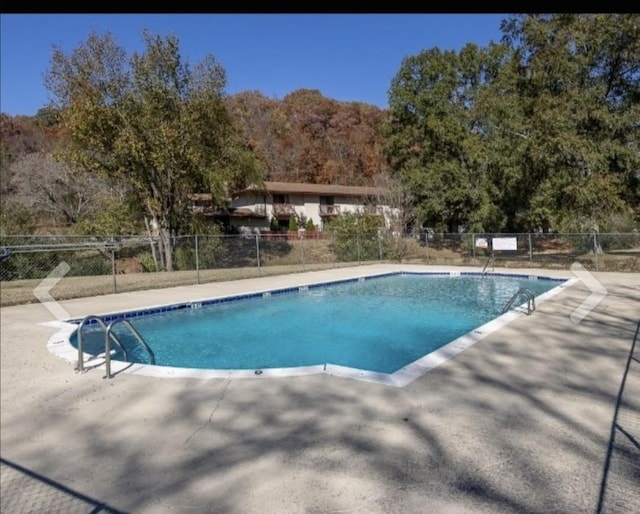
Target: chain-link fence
595, 251
95, 265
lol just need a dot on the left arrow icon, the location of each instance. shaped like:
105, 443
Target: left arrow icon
41, 291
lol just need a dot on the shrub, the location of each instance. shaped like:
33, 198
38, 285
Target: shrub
20, 266
212, 251
356, 237
148, 264
88, 265
184, 258
310, 227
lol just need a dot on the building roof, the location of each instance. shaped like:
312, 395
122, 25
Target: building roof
316, 189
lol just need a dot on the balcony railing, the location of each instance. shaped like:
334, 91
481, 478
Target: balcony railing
329, 210
260, 210
250, 211
281, 210
374, 210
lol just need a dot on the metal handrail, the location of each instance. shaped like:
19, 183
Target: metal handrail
531, 300
80, 365
490, 259
107, 346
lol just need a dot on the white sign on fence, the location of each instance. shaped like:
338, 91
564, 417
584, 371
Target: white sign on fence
481, 242
505, 243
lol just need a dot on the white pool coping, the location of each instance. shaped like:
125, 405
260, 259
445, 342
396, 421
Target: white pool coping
59, 344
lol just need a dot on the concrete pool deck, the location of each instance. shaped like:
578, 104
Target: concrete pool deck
522, 421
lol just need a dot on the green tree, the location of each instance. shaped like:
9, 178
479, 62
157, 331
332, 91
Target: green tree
434, 143
309, 226
150, 122
580, 93
498, 118
293, 223
538, 131
355, 236
118, 214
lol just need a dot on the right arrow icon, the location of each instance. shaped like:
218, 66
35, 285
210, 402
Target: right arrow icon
598, 292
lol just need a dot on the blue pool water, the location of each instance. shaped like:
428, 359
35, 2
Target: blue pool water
379, 324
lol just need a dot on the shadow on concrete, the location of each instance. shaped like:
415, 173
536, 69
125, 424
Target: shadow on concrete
516, 424
24, 490
622, 462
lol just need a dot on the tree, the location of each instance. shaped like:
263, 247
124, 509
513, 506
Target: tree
539, 131
46, 186
151, 122
262, 125
434, 143
16, 220
115, 214
499, 121
309, 226
19, 137
307, 137
361, 227
293, 223
580, 76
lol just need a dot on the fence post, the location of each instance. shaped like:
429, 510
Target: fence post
110, 247
113, 270
426, 243
333, 253
197, 260
258, 254
302, 236
530, 249
473, 246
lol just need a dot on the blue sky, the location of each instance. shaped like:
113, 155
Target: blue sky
347, 57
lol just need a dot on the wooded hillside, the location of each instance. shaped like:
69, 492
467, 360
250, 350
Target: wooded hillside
537, 132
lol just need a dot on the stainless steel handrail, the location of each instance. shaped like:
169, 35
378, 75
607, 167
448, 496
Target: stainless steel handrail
490, 259
107, 346
80, 364
531, 300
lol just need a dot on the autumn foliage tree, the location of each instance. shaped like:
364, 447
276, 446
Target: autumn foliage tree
306, 137
152, 122
536, 132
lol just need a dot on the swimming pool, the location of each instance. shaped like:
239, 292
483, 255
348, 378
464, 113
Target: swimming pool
384, 327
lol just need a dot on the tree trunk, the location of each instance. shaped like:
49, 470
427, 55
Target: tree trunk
166, 249
154, 253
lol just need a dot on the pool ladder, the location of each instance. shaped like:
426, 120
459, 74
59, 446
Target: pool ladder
531, 300
109, 336
490, 260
